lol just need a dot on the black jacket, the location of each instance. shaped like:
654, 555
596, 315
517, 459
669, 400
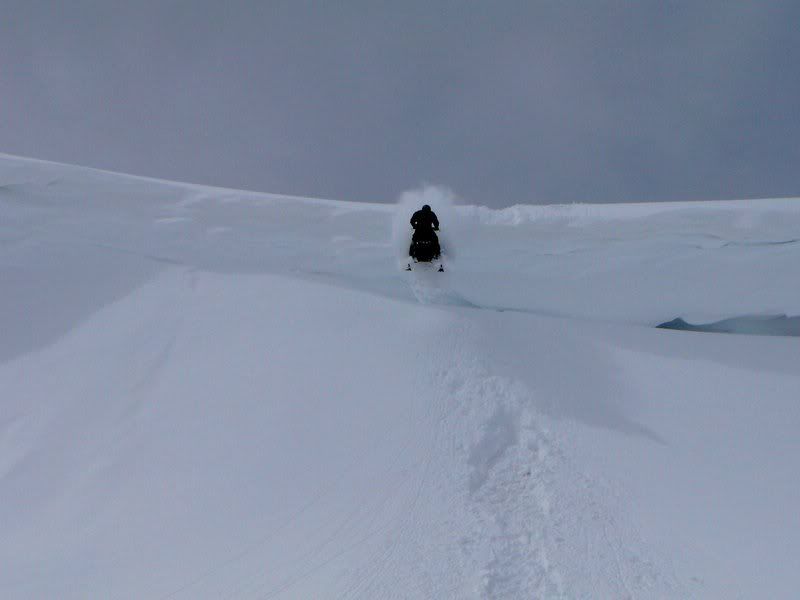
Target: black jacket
425, 220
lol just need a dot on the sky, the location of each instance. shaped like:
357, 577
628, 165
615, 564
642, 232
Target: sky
504, 102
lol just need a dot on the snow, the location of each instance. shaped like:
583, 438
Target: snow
209, 393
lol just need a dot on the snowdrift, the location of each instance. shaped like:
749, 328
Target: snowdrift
753, 325
208, 393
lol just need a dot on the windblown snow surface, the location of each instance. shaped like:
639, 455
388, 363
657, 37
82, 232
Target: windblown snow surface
207, 393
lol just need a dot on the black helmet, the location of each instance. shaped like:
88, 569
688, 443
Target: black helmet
426, 208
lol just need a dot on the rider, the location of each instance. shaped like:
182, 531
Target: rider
425, 223
425, 226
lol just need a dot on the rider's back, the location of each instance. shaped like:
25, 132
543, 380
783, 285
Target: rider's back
424, 220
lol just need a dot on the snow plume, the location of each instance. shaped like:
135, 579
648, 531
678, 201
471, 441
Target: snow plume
441, 200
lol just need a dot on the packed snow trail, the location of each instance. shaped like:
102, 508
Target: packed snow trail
218, 394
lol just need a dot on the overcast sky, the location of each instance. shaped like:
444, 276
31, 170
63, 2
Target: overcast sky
505, 102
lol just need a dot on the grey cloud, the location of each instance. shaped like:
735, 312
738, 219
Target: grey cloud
509, 102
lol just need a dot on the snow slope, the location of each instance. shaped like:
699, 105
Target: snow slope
207, 393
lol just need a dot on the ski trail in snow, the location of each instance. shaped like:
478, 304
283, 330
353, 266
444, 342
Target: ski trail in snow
508, 489
429, 286
527, 505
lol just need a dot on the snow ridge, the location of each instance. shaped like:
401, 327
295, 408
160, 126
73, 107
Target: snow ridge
522, 499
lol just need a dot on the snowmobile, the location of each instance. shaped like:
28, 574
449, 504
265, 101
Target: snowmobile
424, 243
425, 249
